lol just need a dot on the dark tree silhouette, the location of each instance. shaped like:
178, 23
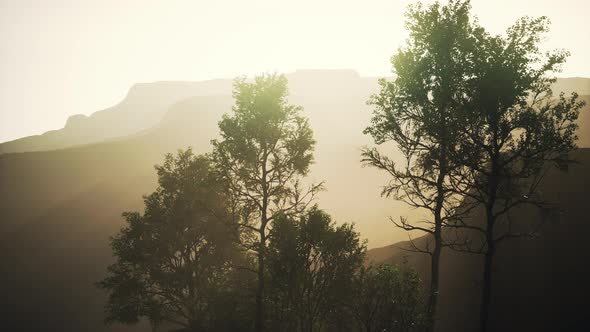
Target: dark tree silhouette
515, 128
419, 110
264, 151
312, 263
387, 298
174, 261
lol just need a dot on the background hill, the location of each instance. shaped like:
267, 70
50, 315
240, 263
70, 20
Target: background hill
143, 107
539, 284
62, 194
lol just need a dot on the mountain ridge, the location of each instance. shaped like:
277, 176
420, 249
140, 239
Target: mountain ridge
145, 104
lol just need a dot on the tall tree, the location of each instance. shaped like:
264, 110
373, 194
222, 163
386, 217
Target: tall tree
419, 110
173, 262
312, 263
515, 127
265, 149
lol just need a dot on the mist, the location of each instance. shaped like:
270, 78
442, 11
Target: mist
296, 166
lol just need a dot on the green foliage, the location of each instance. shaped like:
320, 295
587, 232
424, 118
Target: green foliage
387, 299
174, 261
312, 262
419, 108
514, 123
265, 146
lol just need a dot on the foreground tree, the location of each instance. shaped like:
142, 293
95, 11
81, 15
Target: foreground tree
515, 127
387, 299
264, 151
174, 261
420, 110
312, 263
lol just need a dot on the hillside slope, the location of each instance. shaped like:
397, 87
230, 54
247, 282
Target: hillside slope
538, 284
60, 207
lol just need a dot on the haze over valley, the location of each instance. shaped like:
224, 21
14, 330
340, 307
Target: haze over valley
297, 166
63, 191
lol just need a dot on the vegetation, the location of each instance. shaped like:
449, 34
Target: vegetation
514, 129
388, 298
232, 241
476, 121
312, 262
419, 110
180, 264
222, 225
174, 261
265, 148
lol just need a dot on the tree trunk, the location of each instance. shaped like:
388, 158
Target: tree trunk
486, 291
260, 310
434, 283
259, 324
486, 288
435, 258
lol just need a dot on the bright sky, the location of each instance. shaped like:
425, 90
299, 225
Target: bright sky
63, 57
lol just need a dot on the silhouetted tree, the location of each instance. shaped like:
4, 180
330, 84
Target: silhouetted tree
312, 263
514, 127
174, 261
265, 148
419, 110
387, 299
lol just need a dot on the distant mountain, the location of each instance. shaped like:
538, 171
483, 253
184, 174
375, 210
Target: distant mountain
146, 104
143, 107
61, 200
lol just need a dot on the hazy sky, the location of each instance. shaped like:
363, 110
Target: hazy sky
63, 57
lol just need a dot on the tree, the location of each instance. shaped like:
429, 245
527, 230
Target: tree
419, 110
387, 298
174, 261
265, 149
515, 127
312, 263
